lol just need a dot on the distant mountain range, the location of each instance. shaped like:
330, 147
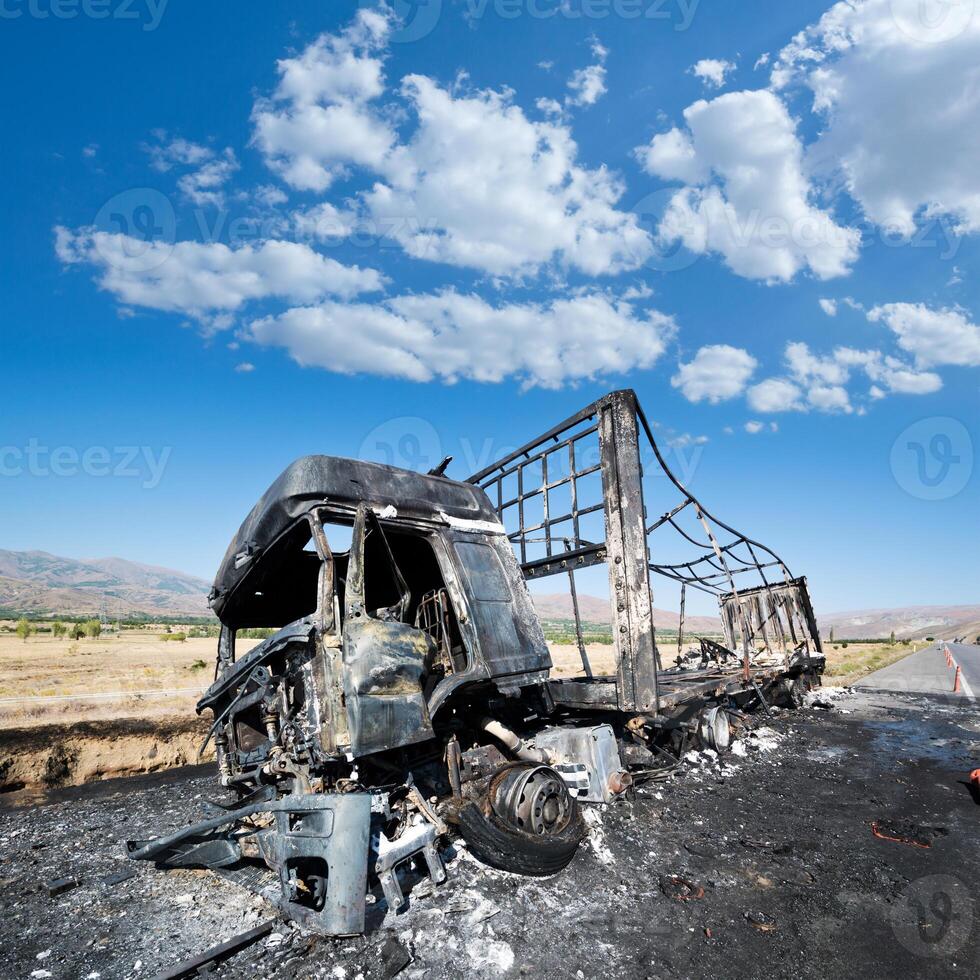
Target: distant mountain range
37, 582
912, 622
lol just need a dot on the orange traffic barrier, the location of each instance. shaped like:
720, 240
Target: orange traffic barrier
975, 778
956, 682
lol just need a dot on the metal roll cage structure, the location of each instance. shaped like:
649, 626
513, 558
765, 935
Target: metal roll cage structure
767, 619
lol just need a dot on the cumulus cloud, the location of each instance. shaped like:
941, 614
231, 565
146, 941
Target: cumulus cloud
166, 153
208, 281
897, 83
588, 85
934, 337
775, 395
747, 197
205, 186
475, 183
712, 71
829, 306
480, 185
717, 372
321, 117
819, 381
450, 336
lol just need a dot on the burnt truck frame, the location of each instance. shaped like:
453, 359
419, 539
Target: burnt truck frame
407, 691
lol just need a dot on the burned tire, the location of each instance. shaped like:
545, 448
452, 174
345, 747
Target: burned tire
533, 826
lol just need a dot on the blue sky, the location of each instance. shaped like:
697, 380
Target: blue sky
363, 240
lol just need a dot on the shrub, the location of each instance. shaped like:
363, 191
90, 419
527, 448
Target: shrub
177, 637
77, 631
256, 633
93, 628
24, 629
197, 665
58, 628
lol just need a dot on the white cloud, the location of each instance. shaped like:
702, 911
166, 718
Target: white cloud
321, 118
165, 154
712, 71
209, 280
754, 427
482, 186
588, 85
829, 398
820, 381
774, 395
897, 82
829, 306
717, 372
204, 187
761, 61
245, 367
747, 196
451, 336
935, 337
475, 184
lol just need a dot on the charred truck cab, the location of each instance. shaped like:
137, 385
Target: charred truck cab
407, 691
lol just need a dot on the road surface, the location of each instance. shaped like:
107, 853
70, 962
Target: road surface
927, 672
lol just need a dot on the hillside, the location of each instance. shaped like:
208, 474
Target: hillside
38, 582
41, 583
912, 622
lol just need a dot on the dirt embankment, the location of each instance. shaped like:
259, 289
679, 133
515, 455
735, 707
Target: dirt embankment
70, 755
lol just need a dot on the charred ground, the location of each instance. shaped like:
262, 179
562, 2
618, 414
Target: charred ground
779, 838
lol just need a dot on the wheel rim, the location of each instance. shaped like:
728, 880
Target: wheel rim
533, 799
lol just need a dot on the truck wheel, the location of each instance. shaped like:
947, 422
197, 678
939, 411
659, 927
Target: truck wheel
533, 826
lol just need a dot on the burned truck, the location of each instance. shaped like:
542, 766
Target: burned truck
407, 697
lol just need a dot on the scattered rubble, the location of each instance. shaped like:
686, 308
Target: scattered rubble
803, 889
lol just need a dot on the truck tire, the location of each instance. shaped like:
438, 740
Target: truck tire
513, 837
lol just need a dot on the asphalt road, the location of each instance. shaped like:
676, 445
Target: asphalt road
927, 672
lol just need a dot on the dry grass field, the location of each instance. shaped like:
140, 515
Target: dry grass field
849, 663
146, 676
